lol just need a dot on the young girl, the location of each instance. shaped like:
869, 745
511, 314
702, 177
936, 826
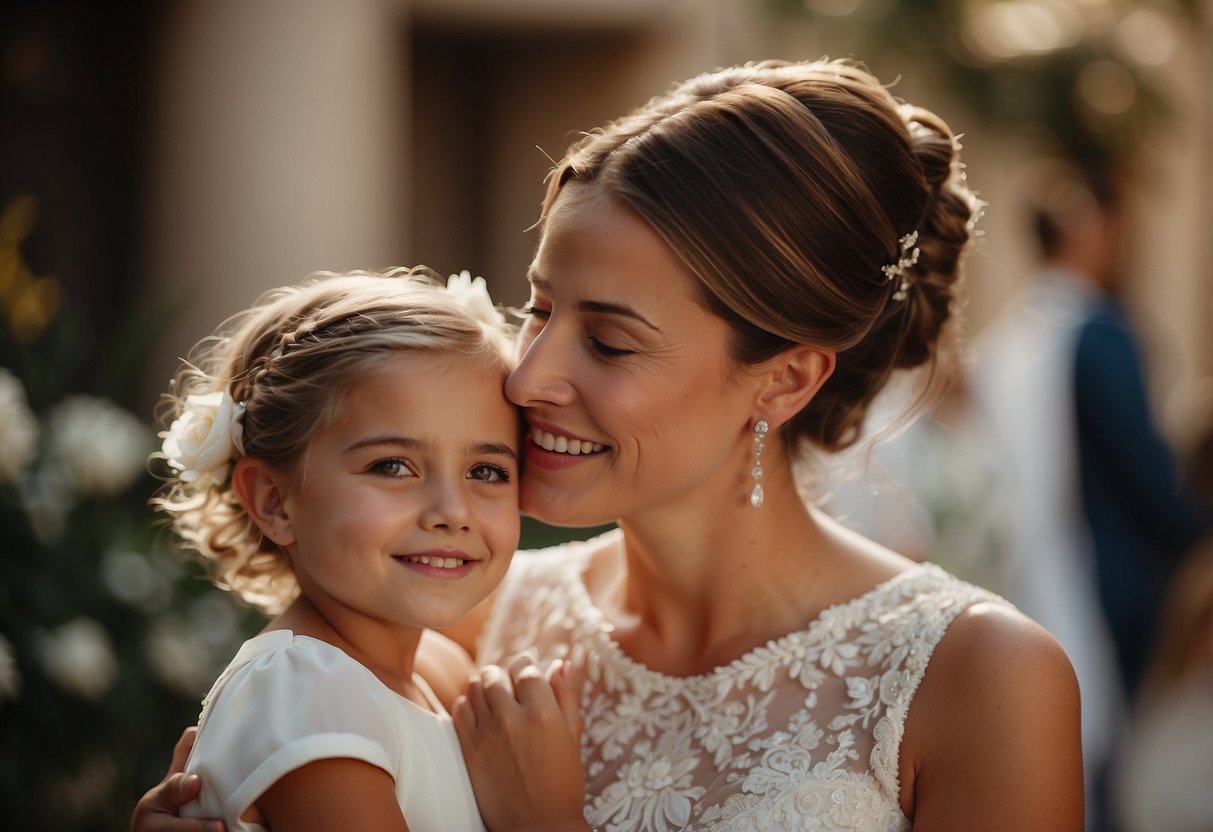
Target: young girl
373, 494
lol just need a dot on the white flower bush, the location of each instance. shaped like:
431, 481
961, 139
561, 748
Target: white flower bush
201, 442
18, 428
179, 656
79, 656
99, 446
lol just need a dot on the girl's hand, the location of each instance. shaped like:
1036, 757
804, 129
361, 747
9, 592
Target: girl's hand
520, 733
157, 810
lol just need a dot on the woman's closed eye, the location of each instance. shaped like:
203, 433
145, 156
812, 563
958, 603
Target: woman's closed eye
488, 472
606, 350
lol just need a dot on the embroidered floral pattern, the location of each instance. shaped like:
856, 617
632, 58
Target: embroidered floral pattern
802, 733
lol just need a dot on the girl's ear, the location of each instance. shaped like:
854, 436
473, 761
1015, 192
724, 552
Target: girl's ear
793, 378
260, 488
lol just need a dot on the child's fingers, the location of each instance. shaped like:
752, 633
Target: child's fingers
462, 711
182, 788
473, 696
530, 686
498, 688
157, 810
566, 698
181, 751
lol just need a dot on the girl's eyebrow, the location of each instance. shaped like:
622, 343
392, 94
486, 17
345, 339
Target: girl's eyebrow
495, 449
393, 441
410, 444
600, 306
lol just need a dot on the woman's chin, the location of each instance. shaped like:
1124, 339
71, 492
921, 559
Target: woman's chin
556, 509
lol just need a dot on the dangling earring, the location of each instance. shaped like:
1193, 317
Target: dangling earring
760, 433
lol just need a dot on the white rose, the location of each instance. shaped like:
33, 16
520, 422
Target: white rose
18, 428
473, 294
99, 446
47, 498
79, 657
200, 444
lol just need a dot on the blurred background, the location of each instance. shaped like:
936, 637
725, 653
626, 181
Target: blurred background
163, 163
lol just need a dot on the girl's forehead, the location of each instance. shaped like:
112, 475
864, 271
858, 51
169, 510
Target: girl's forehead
463, 389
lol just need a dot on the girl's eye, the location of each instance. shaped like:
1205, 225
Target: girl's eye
393, 467
487, 472
607, 351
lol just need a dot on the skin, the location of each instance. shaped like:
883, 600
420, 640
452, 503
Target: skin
618, 352
404, 472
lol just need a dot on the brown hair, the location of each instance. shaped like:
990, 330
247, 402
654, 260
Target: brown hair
785, 188
290, 360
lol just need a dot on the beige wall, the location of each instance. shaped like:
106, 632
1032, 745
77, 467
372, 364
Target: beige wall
276, 151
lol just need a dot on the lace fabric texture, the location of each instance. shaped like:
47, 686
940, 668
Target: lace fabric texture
802, 733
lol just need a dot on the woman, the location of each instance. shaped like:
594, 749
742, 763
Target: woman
726, 277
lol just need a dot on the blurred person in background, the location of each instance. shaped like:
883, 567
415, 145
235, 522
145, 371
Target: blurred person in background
1165, 763
1097, 515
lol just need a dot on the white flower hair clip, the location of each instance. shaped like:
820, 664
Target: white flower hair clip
907, 260
473, 294
201, 443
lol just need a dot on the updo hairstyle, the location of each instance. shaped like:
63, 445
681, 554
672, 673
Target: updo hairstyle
291, 359
785, 188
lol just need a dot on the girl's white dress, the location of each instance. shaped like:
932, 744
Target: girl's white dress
802, 733
287, 700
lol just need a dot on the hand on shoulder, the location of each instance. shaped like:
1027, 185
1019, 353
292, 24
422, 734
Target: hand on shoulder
993, 735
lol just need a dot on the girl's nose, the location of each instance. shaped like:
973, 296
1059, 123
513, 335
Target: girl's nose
447, 508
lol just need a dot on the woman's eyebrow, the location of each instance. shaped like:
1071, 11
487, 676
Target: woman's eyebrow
600, 306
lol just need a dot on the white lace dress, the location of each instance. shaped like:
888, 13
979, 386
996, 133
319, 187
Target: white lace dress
802, 733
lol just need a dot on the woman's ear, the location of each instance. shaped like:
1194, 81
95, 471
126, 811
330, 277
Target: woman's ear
260, 488
793, 378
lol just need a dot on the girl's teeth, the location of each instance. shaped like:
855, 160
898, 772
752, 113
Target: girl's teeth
441, 563
564, 445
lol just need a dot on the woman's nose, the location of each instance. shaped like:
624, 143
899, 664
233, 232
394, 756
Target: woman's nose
542, 375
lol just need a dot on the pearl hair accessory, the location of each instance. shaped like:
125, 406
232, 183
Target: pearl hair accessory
761, 427
900, 269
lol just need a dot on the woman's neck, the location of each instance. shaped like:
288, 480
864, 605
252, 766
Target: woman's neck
700, 589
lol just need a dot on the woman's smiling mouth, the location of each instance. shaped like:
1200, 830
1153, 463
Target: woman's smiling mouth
563, 444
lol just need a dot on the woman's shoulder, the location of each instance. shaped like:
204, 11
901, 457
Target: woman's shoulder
999, 704
988, 637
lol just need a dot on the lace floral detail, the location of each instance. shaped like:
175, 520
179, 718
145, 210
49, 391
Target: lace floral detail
802, 733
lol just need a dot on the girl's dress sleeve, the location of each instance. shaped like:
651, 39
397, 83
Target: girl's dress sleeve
291, 703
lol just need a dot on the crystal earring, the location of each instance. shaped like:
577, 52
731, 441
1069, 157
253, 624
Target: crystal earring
760, 434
